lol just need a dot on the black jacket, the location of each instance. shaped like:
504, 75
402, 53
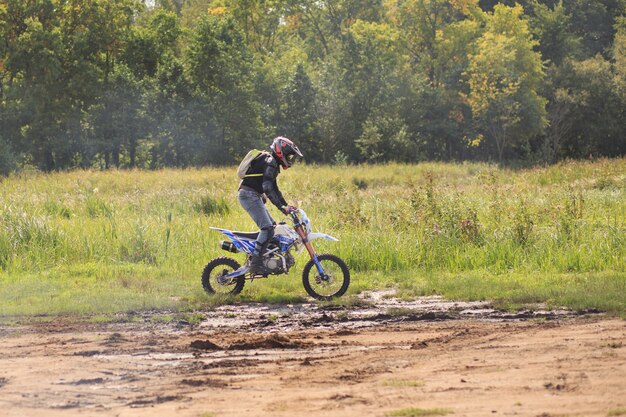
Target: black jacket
265, 184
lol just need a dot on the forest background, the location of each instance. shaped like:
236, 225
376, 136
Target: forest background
182, 83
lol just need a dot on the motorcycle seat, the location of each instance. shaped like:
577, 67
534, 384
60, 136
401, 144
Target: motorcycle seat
247, 235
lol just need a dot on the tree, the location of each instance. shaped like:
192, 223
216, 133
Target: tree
221, 69
385, 139
7, 157
299, 114
597, 109
322, 24
593, 22
437, 36
175, 6
36, 65
118, 120
553, 28
193, 82
504, 77
140, 52
152, 44
56, 54
424, 24
619, 54
181, 122
370, 68
437, 120
334, 106
260, 21
167, 31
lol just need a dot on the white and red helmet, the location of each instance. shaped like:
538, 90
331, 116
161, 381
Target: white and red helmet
286, 151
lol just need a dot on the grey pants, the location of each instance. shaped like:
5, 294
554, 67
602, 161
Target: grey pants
252, 203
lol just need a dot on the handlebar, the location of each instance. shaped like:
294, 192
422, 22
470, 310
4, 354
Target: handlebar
294, 217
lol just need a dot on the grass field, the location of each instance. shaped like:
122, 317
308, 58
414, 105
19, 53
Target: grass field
101, 242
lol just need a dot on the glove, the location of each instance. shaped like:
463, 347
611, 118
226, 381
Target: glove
288, 209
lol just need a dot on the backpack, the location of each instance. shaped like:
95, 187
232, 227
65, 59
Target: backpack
246, 162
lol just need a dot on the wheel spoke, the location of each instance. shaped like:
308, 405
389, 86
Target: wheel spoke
213, 279
332, 283
221, 284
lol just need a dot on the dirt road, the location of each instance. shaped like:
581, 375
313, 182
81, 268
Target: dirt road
385, 356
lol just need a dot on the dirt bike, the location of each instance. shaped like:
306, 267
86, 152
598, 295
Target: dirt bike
324, 276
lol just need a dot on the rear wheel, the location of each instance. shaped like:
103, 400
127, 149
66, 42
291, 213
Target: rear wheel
333, 283
213, 275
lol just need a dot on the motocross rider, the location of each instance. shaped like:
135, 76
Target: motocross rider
254, 189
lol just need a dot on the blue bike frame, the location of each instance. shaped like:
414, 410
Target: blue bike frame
302, 228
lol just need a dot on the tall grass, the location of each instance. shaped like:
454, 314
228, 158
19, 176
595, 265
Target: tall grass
392, 220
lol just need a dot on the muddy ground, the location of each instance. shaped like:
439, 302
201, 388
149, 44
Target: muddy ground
384, 356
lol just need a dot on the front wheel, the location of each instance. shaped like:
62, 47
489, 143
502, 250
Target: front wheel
213, 275
333, 283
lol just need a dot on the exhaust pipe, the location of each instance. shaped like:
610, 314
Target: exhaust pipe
229, 246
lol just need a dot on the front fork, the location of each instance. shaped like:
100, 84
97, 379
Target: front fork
309, 248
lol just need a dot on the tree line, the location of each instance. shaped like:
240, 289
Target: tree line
180, 83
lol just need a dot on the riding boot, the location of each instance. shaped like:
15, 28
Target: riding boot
257, 267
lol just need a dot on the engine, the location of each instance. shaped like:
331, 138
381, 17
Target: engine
275, 263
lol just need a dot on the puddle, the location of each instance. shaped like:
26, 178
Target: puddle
377, 308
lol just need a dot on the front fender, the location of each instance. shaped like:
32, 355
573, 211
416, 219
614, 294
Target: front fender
313, 236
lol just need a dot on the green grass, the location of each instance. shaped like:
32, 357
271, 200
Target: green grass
100, 242
403, 383
418, 412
